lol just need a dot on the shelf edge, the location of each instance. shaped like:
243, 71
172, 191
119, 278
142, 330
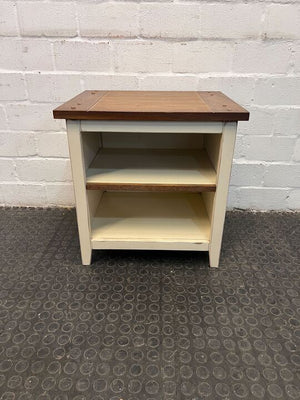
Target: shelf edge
136, 187
148, 245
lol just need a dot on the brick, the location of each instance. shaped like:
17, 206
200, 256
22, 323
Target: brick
60, 194
29, 117
20, 194
282, 21
296, 58
25, 54
287, 122
7, 170
202, 56
52, 87
82, 56
52, 144
239, 88
231, 20
17, 144
142, 56
168, 82
277, 91
293, 200
8, 19
262, 198
108, 19
110, 82
273, 57
12, 87
232, 199
43, 170
261, 122
262, 148
280, 175
3, 119
296, 155
48, 19
169, 20
239, 148
247, 174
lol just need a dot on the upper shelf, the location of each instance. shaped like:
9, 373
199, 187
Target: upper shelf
151, 106
151, 170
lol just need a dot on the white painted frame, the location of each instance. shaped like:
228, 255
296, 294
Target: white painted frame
220, 197
78, 165
151, 127
81, 155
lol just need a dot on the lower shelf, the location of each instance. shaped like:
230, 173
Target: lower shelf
162, 221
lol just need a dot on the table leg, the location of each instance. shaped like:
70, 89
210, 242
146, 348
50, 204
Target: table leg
220, 200
78, 172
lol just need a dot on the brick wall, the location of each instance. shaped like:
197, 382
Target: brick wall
52, 50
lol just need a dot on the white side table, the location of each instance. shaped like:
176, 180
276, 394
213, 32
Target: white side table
151, 169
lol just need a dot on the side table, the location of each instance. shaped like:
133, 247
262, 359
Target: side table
151, 169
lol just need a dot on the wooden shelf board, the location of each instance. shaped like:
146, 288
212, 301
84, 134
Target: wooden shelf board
176, 221
151, 170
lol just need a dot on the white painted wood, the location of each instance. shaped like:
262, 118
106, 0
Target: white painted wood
144, 245
151, 218
78, 172
151, 126
212, 146
90, 146
139, 166
142, 140
220, 198
208, 200
93, 198
165, 221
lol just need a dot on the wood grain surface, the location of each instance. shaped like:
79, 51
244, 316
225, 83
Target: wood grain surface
151, 106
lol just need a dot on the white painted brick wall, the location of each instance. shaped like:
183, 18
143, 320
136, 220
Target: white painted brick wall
47, 169
23, 54
277, 91
82, 56
109, 19
52, 87
282, 21
296, 57
12, 87
8, 18
230, 20
162, 21
259, 57
265, 148
18, 144
296, 156
202, 56
32, 117
140, 56
52, 144
47, 19
52, 50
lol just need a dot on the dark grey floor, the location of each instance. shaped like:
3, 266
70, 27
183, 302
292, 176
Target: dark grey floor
149, 325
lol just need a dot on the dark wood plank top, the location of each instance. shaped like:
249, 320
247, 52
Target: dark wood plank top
151, 106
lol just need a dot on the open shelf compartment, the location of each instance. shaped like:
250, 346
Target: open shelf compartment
135, 220
151, 170
151, 162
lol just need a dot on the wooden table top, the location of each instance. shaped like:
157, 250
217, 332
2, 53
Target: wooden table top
151, 106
